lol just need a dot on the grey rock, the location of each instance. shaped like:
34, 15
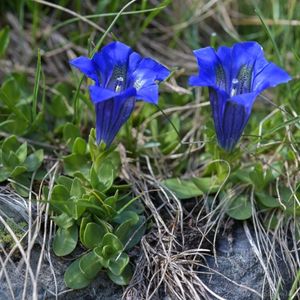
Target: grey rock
238, 269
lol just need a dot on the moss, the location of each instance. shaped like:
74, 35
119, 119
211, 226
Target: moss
6, 239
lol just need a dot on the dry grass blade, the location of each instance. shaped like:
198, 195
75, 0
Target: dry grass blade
26, 284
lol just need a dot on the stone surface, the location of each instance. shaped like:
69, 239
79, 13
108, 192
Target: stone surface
101, 289
236, 262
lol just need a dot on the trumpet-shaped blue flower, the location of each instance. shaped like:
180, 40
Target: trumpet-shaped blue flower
121, 77
235, 77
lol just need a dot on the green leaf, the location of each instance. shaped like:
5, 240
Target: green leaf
240, 208
76, 189
207, 184
122, 279
60, 198
105, 172
70, 133
36, 86
74, 278
11, 161
65, 240
130, 232
118, 263
65, 181
125, 216
17, 171
267, 200
21, 153
74, 163
257, 177
93, 235
10, 96
79, 146
22, 185
4, 40
83, 223
182, 188
34, 160
90, 265
10, 144
4, 174
63, 221
110, 246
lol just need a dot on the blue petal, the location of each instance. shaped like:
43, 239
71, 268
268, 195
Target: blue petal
270, 76
112, 114
134, 60
208, 63
236, 114
149, 64
218, 100
144, 78
148, 93
224, 55
86, 66
112, 62
245, 54
235, 118
99, 94
247, 100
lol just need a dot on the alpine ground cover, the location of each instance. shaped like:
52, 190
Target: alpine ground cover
148, 209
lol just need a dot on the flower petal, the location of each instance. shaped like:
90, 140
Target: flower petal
236, 114
235, 118
154, 67
270, 76
86, 66
210, 69
99, 94
246, 54
112, 62
112, 114
148, 93
218, 99
224, 55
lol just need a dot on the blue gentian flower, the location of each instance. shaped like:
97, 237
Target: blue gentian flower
235, 77
121, 77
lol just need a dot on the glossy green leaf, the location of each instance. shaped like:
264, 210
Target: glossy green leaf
240, 208
70, 133
65, 181
60, 198
65, 240
77, 189
118, 263
18, 171
267, 200
110, 246
90, 265
77, 163
4, 174
206, 184
10, 144
63, 221
11, 160
79, 146
34, 160
182, 188
21, 153
93, 235
130, 232
83, 223
122, 279
74, 278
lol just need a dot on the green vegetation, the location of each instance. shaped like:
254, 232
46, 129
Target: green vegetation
104, 201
